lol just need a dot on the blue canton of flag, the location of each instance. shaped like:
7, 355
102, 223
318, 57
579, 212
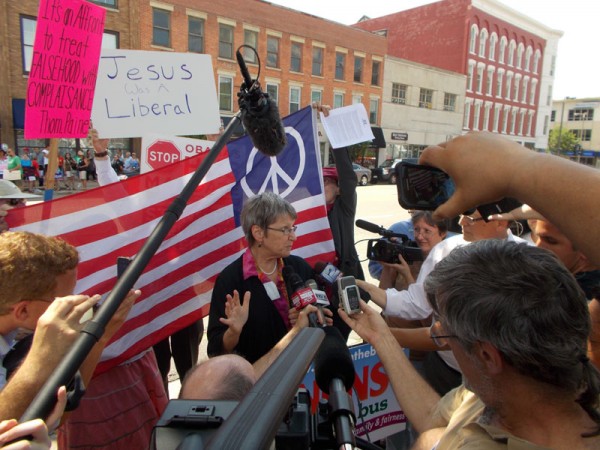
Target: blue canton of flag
295, 173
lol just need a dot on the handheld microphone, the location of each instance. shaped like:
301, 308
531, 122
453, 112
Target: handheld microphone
261, 121
373, 228
322, 300
327, 272
299, 295
334, 374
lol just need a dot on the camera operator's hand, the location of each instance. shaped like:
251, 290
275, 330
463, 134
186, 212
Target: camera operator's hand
390, 272
483, 166
59, 327
34, 435
523, 212
368, 324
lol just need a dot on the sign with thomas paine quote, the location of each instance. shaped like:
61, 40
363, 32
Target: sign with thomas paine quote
140, 92
64, 64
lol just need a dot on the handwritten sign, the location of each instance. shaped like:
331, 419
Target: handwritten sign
140, 92
159, 151
60, 89
376, 408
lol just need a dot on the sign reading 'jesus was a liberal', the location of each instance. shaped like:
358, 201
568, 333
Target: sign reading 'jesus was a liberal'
140, 92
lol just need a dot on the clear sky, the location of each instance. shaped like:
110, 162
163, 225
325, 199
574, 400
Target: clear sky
578, 62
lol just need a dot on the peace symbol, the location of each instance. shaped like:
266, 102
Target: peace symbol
276, 174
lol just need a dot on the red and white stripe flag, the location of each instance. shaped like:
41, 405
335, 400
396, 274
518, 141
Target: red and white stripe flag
115, 220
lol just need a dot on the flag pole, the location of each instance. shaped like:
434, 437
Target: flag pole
93, 330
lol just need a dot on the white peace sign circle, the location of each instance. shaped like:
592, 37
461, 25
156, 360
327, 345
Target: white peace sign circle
276, 171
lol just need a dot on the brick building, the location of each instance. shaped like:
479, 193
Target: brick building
508, 60
303, 58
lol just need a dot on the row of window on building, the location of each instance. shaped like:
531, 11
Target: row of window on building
517, 88
226, 96
161, 36
28, 26
509, 52
506, 119
577, 115
400, 96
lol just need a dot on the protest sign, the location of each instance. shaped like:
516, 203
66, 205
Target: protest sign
141, 91
377, 411
62, 77
159, 151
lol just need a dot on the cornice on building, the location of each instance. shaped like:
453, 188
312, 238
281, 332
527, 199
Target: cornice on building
514, 17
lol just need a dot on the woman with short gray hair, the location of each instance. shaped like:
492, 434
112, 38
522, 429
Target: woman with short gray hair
250, 326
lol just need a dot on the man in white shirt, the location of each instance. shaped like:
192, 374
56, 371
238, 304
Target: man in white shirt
412, 303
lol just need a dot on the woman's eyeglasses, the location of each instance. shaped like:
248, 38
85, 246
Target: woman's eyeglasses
285, 230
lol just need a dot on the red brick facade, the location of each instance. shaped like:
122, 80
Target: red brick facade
439, 34
286, 24
132, 22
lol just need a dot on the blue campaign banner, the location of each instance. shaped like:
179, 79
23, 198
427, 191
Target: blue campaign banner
294, 174
378, 413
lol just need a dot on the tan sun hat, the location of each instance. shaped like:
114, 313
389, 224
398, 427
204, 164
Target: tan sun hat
10, 190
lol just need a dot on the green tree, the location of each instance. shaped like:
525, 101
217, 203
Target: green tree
561, 142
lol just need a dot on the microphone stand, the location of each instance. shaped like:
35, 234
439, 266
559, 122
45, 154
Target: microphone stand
93, 330
341, 413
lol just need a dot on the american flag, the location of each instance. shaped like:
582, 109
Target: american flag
115, 220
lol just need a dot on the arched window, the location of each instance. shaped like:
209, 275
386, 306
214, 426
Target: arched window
482, 42
493, 42
502, 49
536, 61
511, 52
520, 51
473, 39
528, 54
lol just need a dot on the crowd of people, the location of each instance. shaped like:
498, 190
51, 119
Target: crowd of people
508, 329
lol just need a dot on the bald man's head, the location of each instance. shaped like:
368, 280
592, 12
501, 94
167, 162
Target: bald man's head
224, 377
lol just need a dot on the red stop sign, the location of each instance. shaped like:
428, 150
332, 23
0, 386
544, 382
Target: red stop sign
161, 153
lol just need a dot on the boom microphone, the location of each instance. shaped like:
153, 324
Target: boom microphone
261, 120
334, 374
373, 228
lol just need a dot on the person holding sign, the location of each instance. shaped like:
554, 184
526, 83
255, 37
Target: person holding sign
14, 171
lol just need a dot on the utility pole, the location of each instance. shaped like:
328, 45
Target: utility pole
560, 130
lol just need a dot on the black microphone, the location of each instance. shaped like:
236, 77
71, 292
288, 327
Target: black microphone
373, 228
261, 120
334, 374
299, 295
327, 273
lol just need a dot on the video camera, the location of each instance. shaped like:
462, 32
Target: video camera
386, 250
